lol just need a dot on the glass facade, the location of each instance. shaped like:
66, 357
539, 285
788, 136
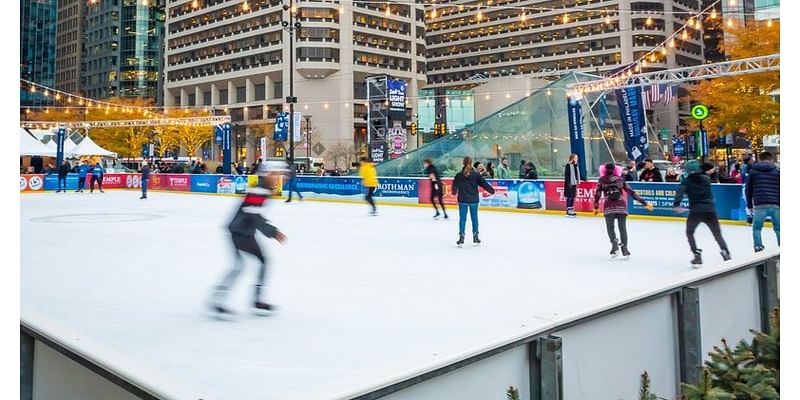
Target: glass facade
533, 129
37, 47
460, 109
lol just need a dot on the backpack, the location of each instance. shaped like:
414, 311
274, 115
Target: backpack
613, 190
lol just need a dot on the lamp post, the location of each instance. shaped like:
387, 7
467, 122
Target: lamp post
308, 142
290, 27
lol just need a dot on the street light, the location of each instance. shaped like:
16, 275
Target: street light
290, 27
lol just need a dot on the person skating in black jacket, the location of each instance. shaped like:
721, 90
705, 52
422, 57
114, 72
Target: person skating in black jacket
246, 222
63, 170
465, 187
763, 194
697, 186
437, 187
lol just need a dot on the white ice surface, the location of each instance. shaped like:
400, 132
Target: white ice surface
361, 298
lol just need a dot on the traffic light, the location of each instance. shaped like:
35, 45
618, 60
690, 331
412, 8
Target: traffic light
439, 129
413, 128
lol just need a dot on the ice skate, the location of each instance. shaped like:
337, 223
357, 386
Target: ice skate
436, 216
697, 261
262, 309
373, 213
445, 216
614, 250
217, 305
758, 249
625, 253
460, 241
476, 240
726, 255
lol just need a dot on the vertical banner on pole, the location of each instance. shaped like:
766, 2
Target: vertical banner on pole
631, 112
61, 136
226, 147
281, 127
297, 137
263, 146
576, 137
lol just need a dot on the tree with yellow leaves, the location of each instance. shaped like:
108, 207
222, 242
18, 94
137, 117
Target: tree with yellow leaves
190, 137
744, 102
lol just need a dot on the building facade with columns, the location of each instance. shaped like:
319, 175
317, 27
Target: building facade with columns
478, 42
232, 56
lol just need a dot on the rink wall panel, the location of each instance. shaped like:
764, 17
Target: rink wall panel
509, 193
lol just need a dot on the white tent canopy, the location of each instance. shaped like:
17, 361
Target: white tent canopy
29, 146
88, 147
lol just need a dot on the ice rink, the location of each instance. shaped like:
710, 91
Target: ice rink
361, 299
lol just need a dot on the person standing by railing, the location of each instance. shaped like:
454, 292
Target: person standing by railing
502, 169
572, 178
465, 188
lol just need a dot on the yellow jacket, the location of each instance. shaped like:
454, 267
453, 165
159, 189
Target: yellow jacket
369, 175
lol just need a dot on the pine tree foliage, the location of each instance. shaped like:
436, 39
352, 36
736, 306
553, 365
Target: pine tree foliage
644, 388
512, 393
705, 390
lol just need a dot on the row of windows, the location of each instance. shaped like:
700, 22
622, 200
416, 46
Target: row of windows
66, 37
102, 63
102, 19
103, 33
381, 42
248, 43
394, 9
382, 61
528, 38
317, 54
314, 13
240, 95
257, 60
63, 51
226, 30
319, 33
381, 23
606, 61
543, 6
525, 54
220, 14
67, 24
66, 62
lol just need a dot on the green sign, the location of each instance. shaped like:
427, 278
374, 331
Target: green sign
663, 133
699, 112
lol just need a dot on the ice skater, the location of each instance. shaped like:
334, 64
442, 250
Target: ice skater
369, 178
437, 187
763, 191
696, 185
247, 221
572, 177
611, 185
465, 187
63, 170
292, 176
145, 179
97, 176
82, 170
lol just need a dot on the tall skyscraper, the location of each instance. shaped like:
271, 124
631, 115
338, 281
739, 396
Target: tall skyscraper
122, 48
234, 55
69, 46
37, 47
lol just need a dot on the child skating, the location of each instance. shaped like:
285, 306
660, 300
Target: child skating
247, 221
696, 185
611, 186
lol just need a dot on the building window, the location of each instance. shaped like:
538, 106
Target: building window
261, 92
241, 94
277, 90
223, 96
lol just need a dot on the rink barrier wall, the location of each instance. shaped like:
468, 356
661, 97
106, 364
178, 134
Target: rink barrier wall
669, 331
541, 196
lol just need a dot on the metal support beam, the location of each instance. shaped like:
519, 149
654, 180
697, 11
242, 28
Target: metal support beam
545, 372
689, 340
197, 121
768, 290
26, 346
686, 74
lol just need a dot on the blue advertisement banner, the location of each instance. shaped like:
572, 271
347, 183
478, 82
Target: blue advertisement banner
631, 112
726, 197
396, 90
513, 193
576, 138
690, 146
51, 182
678, 147
281, 127
204, 183
397, 187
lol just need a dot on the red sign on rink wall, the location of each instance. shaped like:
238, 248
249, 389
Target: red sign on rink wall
584, 199
178, 182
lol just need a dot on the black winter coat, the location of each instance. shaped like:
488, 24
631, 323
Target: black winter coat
466, 187
763, 185
697, 187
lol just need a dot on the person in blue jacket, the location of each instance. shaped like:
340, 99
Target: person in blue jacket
97, 176
82, 170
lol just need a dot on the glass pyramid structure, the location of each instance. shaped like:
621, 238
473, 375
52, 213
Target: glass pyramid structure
534, 128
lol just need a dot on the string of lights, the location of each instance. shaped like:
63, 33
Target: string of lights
62, 97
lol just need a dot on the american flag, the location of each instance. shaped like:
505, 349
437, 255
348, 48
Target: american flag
655, 94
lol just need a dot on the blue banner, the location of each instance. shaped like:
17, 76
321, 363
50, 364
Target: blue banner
281, 127
515, 193
51, 182
397, 187
218, 135
661, 195
60, 138
631, 112
204, 183
678, 147
701, 142
225, 130
691, 145
576, 138
396, 93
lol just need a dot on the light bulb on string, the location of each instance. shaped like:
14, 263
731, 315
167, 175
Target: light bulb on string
58, 96
549, 92
732, 3
684, 35
195, 4
69, 99
523, 17
565, 19
649, 21
46, 93
433, 13
480, 15
28, 111
714, 14
672, 42
769, 23
691, 21
608, 19
33, 89
698, 25
663, 51
730, 22
245, 6
388, 11
47, 111
652, 57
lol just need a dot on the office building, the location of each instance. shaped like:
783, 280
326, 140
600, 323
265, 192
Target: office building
69, 45
37, 52
233, 56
